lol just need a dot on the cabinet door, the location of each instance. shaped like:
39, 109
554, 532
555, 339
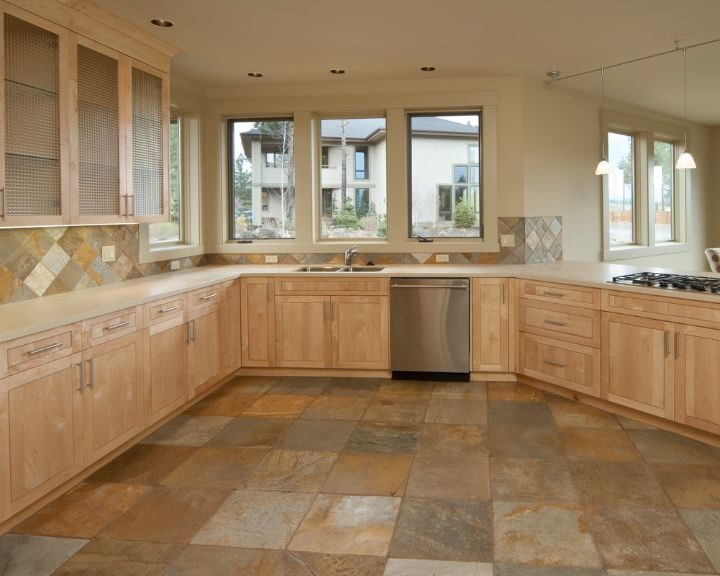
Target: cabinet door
257, 320
45, 424
490, 325
149, 143
35, 160
113, 395
697, 377
637, 366
97, 135
204, 350
360, 332
166, 381
302, 331
230, 327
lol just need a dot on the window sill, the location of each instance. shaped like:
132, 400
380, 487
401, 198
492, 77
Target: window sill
365, 245
169, 252
635, 251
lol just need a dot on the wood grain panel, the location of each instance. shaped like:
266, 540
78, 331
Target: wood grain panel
490, 325
360, 337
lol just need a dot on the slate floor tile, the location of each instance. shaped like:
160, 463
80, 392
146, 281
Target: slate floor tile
291, 470
222, 561
337, 408
384, 437
314, 564
353, 386
24, 555
544, 533
597, 444
186, 430
323, 435
371, 474
442, 439
300, 386
399, 567
442, 411
668, 448
454, 476
520, 479
690, 485
574, 415
518, 441
216, 467
143, 464
413, 388
528, 414
397, 408
456, 530
251, 433
460, 390
514, 392
705, 525
279, 406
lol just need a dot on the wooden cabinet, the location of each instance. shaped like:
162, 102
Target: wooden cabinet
44, 420
697, 377
112, 395
230, 346
360, 337
257, 321
303, 331
85, 138
490, 325
638, 363
203, 350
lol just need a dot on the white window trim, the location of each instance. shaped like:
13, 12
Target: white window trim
645, 131
307, 158
191, 183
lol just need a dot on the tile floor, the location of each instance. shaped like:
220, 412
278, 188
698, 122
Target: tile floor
361, 477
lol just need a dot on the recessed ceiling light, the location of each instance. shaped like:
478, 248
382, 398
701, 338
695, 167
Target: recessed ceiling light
162, 22
428, 68
337, 71
255, 74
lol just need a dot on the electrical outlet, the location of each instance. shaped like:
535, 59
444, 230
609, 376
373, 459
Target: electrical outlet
174, 265
442, 258
507, 240
108, 253
271, 259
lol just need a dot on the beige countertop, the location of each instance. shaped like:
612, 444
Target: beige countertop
30, 316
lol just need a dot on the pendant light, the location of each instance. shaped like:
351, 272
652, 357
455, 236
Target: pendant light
686, 161
603, 167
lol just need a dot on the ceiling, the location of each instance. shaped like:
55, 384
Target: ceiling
291, 41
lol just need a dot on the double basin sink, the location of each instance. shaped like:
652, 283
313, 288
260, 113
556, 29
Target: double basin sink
340, 269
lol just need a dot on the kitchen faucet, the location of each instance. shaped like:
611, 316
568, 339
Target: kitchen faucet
350, 253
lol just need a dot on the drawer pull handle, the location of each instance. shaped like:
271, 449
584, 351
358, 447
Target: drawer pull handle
208, 296
553, 363
555, 294
45, 349
171, 309
118, 326
555, 322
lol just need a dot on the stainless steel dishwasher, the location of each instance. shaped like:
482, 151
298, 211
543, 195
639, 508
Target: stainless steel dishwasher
430, 328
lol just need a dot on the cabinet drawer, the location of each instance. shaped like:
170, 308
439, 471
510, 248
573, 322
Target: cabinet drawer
575, 295
332, 286
205, 297
702, 313
568, 365
111, 326
162, 310
31, 351
568, 323
619, 302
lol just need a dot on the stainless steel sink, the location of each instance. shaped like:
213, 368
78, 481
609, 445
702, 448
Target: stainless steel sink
340, 269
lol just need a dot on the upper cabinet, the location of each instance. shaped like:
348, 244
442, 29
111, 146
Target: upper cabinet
84, 131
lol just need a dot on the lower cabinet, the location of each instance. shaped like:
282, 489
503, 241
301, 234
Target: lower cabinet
257, 320
112, 385
166, 384
230, 327
360, 338
490, 325
44, 420
203, 350
637, 367
303, 331
697, 377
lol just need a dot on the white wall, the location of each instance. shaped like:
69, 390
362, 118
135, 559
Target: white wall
561, 147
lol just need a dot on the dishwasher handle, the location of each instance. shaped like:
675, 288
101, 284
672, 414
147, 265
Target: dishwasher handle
443, 286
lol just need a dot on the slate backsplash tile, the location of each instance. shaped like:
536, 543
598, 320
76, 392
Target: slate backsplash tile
43, 261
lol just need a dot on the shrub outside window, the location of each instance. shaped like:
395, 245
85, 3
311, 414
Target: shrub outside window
445, 175
261, 178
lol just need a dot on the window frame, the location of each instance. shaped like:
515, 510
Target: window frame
645, 132
230, 171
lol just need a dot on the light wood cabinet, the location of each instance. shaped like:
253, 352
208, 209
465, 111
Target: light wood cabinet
112, 395
45, 429
637, 367
257, 321
360, 337
303, 329
165, 366
697, 377
204, 350
230, 346
490, 325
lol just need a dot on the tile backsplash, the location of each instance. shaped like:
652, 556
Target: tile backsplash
42, 261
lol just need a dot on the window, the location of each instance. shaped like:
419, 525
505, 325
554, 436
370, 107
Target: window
621, 186
167, 233
445, 175
645, 194
353, 204
261, 178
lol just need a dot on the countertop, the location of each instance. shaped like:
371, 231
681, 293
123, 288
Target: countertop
30, 316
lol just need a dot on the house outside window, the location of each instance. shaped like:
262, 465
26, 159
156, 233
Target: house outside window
445, 175
261, 178
353, 201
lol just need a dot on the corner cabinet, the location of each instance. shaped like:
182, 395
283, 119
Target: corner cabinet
84, 130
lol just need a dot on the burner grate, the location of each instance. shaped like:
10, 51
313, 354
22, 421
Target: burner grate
670, 281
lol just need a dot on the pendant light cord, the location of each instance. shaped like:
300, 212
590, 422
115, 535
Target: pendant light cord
602, 106
685, 94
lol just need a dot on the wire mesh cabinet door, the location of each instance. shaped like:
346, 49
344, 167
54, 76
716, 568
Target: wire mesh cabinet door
98, 133
148, 157
34, 162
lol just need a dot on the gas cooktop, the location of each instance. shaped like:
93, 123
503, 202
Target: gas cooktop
670, 281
